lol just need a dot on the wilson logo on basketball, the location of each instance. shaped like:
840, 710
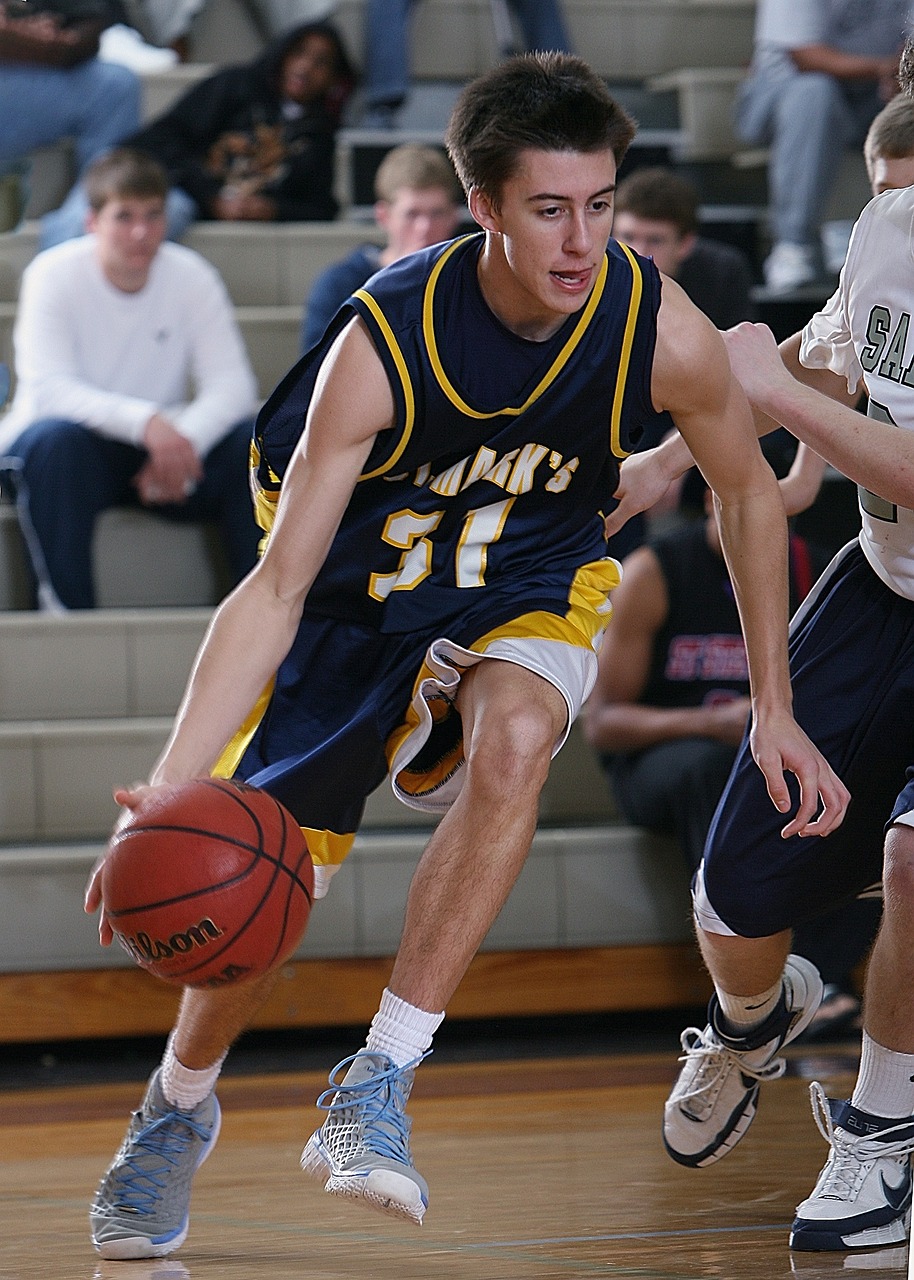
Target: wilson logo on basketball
143, 948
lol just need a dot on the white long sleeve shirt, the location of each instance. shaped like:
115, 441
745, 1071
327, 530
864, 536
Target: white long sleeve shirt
88, 352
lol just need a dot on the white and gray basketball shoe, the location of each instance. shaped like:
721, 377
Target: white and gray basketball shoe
715, 1097
362, 1148
142, 1205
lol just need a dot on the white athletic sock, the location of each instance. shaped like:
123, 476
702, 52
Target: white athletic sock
743, 1013
885, 1081
183, 1087
401, 1030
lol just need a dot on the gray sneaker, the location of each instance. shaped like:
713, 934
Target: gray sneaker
362, 1148
141, 1207
715, 1098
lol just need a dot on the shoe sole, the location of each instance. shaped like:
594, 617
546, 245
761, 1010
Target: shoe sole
738, 1124
130, 1248
821, 1240
381, 1189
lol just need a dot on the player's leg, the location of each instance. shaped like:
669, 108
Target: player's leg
141, 1208
849, 662
863, 1195
512, 719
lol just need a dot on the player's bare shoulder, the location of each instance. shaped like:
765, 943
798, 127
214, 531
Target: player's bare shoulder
351, 362
691, 370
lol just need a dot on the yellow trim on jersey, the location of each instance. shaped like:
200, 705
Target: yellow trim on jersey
428, 329
231, 755
400, 363
327, 849
634, 302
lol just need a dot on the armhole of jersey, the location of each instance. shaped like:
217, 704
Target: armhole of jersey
625, 354
394, 362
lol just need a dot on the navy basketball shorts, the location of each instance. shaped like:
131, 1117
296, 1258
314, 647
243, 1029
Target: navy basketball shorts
351, 704
852, 666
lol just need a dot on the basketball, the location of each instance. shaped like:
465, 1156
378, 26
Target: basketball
209, 883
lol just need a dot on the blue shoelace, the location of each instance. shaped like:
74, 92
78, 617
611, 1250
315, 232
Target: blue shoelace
167, 1137
380, 1102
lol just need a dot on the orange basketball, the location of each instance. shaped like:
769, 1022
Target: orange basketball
209, 883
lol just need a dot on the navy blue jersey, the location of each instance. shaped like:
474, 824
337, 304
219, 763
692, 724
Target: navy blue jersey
503, 451
474, 533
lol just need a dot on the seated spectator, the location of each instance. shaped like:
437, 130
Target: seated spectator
256, 142
169, 22
670, 706
111, 332
387, 52
418, 204
657, 216
820, 72
54, 86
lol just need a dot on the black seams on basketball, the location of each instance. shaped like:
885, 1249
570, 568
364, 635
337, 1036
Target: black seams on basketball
208, 883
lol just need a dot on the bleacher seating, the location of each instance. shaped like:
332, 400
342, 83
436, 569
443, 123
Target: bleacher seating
599, 918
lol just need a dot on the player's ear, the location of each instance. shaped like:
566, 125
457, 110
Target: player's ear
483, 209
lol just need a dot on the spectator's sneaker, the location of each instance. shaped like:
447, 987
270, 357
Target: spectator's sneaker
715, 1097
362, 1148
789, 267
863, 1196
141, 1207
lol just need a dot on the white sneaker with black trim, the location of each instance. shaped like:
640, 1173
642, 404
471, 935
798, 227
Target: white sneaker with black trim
715, 1098
863, 1197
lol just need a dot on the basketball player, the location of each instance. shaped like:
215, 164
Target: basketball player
432, 595
852, 659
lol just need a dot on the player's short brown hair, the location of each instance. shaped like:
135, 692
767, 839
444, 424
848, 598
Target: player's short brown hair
124, 172
891, 135
539, 101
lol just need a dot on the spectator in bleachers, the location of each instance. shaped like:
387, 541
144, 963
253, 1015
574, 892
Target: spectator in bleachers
387, 53
169, 22
255, 142
133, 386
820, 72
670, 707
657, 216
418, 203
54, 86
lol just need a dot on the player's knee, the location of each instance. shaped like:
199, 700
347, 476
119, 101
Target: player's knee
513, 750
898, 874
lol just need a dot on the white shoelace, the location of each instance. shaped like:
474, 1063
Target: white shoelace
852, 1155
711, 1059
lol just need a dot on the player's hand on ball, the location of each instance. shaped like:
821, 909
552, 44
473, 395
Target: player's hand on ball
129, 798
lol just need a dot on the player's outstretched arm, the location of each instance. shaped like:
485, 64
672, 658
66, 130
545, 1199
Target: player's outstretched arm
692, 379
253, 629
815, 406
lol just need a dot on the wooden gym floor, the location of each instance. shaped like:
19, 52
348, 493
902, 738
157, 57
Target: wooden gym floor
545, 1168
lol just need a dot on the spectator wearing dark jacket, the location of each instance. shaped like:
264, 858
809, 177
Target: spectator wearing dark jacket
256, 142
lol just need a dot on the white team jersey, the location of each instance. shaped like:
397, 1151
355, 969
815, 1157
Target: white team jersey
863, 331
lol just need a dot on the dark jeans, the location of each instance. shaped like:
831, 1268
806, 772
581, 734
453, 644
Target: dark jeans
69, 475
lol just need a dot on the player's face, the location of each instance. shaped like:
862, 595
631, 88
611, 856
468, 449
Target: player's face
654, 238
548, 235
415, 219
128, 232
889, 173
